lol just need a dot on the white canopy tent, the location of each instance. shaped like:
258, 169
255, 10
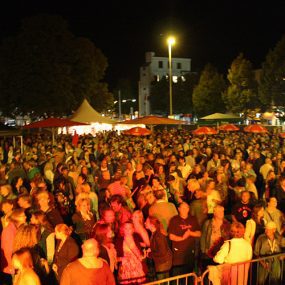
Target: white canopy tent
96, 122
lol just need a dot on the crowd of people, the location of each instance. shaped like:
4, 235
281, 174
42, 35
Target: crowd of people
114, 209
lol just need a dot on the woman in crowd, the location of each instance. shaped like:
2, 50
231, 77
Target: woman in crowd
26, 237
235, 250
130, 257
83, 219
66, 249
7, 207
160, 173
160, 251
84, 192
104, 235
18, 187
255, 226
138, 222
23, 263
270, 184
17, 218
46, 234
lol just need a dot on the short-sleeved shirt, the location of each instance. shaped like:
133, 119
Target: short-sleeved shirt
182, 250
242, 212
76, 273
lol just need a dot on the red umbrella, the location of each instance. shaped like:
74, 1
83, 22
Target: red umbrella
282, 135
154, 120
53, 123
205, 131
137, 131
255, 129
228, 128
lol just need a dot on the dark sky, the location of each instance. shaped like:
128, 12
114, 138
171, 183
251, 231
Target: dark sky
208, 31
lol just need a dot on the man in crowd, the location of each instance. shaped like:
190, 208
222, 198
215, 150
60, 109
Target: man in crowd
183, 230
89, 269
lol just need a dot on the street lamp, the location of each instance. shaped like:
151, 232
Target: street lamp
170, 42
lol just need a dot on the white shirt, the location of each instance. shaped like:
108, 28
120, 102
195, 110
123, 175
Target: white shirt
234, 251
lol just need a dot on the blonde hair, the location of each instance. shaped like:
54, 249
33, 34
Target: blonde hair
26, 236
80, 201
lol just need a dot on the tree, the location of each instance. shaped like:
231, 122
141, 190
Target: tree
207, 95
159, 97
46, 70
241, 94
272, 80
181, 94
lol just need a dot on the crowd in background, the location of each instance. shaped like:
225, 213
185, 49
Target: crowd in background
119, 209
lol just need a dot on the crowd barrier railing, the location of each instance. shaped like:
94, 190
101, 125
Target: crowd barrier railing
187, 279
261, 271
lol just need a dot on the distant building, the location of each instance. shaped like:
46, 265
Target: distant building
154, 69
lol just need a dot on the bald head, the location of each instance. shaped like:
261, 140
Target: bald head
90, 248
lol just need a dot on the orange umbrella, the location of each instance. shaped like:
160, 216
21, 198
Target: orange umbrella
255, 129
205, 131
154, 120
228, 128
53, 123
282, 135
137, 131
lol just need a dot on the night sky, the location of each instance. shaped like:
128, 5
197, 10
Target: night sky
208, 31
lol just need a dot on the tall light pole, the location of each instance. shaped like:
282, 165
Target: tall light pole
170, 42
120, 105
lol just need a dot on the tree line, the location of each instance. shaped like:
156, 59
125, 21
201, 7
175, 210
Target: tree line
242, 91
45, 70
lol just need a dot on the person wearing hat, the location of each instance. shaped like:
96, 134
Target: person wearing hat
267, 244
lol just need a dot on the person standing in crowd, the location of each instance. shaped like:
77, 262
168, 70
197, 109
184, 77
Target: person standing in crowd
46, 234
280, 193
241, 211
183, 230
123, 214
89, 269
214, 232
66, 249
255, 225
160, 250
83, 219
7, 207
271, 213
268, 244
27, 237
213, 196
22, 261
139, 226
130, 257
104, 235
162, 210
16, 219
46, 205
233, 251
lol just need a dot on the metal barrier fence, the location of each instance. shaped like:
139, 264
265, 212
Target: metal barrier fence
187, 279
266, 270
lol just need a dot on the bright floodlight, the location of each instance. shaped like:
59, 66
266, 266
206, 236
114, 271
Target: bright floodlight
171, 41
